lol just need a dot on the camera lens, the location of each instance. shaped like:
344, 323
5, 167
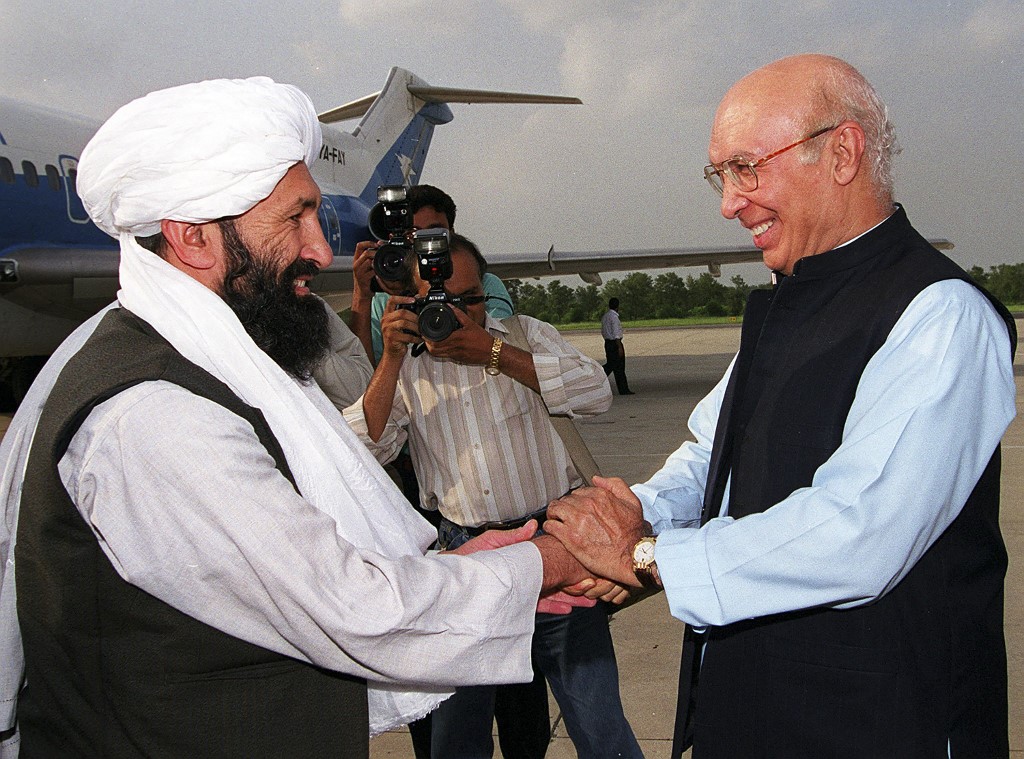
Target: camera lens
389, 262
437, 322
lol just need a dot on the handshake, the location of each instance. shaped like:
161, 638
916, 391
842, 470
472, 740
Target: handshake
587, 546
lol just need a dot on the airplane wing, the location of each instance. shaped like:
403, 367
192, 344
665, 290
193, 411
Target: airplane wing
590, 264
32, 276
47, 264
66, 282
46, 291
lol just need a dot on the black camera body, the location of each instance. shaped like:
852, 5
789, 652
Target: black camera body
390, 221
434, 259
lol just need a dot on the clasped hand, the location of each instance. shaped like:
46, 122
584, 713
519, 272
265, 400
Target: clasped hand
599, 526
565, 594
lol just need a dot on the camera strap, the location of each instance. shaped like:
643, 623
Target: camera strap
580, 454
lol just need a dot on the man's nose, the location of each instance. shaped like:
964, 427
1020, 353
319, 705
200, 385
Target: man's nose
316, 248
733, 200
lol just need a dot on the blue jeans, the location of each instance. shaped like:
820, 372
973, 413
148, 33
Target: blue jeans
575, 653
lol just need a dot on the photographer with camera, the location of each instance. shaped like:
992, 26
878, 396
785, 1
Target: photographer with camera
400, 212
428, 208
476, 412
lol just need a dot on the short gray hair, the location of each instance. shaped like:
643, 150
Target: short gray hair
845, 95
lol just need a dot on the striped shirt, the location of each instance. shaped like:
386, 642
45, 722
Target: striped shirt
483, 447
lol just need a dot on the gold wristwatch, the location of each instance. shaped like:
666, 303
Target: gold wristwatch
492, 365
643, 562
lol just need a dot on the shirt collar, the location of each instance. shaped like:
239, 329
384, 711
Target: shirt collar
494, 325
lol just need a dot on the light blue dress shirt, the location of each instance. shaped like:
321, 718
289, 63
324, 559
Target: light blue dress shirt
930, 408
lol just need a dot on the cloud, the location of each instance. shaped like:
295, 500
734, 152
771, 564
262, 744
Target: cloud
996, 26
624, 169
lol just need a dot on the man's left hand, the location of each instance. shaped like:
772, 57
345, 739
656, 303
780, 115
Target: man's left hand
600, 525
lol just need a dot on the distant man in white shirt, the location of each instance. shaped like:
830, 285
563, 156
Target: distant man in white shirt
831, 537
614, 350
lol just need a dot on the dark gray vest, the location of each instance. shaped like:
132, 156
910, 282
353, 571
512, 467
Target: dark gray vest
926, 662
115, 672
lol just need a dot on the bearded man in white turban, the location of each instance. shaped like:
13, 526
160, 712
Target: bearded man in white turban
208, 561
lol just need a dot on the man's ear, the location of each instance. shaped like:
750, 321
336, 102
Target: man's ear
847, 152
192, 245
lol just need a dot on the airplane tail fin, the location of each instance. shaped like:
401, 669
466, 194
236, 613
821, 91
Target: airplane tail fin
400, 120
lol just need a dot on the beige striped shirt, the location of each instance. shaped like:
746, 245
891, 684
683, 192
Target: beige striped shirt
483, 447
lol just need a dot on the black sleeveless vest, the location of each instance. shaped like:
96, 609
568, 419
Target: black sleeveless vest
112, 671
924, 664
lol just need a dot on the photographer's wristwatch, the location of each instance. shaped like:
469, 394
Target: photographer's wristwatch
644, 567
492, 365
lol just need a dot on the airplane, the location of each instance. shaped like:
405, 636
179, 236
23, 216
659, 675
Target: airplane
57, 268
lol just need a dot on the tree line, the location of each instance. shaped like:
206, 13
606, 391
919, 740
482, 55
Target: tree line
1005, 281
670, 296
640, 295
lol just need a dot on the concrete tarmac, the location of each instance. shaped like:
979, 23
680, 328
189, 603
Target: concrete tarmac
670, 370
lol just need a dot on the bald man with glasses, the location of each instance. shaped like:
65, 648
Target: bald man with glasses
831, 538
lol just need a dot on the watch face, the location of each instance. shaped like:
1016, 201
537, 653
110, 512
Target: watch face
643, 554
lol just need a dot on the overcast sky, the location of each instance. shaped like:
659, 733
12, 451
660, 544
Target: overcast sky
622, 170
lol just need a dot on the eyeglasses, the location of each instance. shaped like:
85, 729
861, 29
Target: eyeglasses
741, 171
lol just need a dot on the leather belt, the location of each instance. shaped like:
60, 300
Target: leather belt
509, 524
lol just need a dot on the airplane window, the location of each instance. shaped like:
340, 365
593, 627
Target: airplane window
52, 177
31, 175
6, 171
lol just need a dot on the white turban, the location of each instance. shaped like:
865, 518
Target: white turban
195, 153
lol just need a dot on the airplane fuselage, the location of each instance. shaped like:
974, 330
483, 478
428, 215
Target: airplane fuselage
39, 151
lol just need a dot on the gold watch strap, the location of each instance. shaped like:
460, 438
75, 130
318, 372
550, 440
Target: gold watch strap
492, 365
648, 576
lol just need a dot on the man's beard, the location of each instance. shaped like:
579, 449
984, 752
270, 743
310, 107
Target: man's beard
292, 330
